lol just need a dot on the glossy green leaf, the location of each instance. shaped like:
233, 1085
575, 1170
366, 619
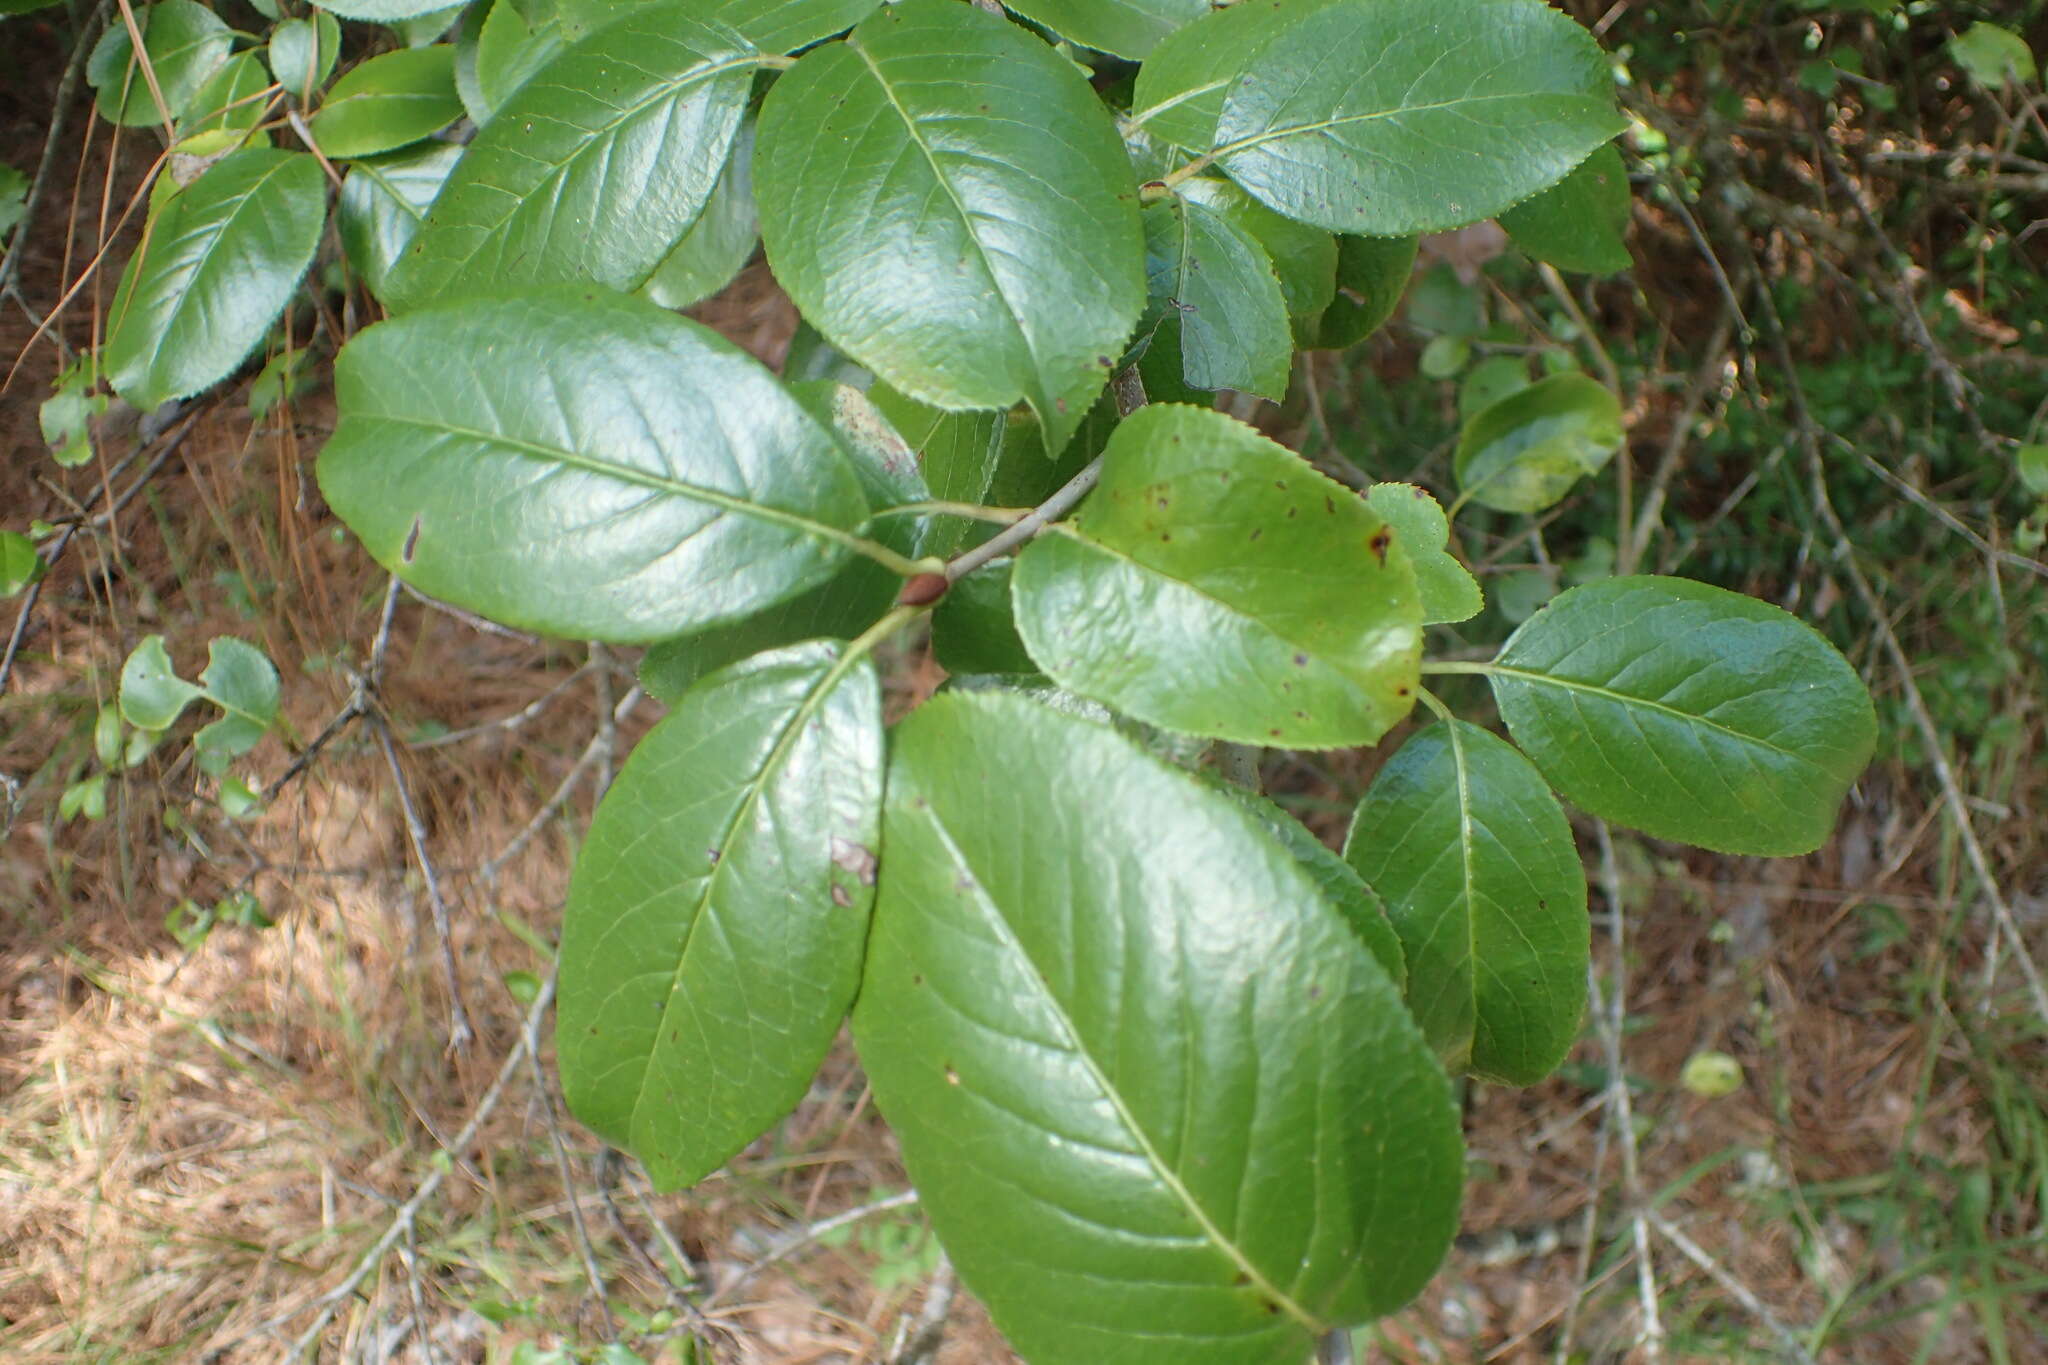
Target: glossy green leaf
215, 269
1210, 283
1448, 591
1525, 452
1180, 90
1342, 887
593, 169
1577, 224
948, 202
231, 100
153, 696
1372, 274
1126, 28
851, 600
301, 53
608, 471
719, 243
1467, 107
1304, 258
974, 628
389, 102
244, 684
385, 11
771, 25
712, 938
1069, 941
20, 563
510, 52
1483, 883
1993, 56
1215, 583
383, 202
184, 41
1688, 712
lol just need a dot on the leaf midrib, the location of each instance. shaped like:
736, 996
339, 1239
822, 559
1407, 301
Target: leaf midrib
1244, 144
1625, 699
931, 159
785, 741
643, 478
1150, 1153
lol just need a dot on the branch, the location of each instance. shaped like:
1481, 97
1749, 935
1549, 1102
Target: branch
1028, 525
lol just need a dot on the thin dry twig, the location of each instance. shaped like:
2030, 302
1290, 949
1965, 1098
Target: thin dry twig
459, 1032
401, 1224
1740, 1292
921, 1343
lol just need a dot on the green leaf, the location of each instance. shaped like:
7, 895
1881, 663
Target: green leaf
384, 11
1444, 356
2032, 463
383, 201
389, 102
605, 476
418, 30
1449, 592
1993, 56
1483, 883
712, 938
852, 599
13, 199
948, 202
1304, 258
86, 798
106, 736
1688, 712
1525, 452
302, 52
153, 696
1119, 1164
243, 683
1215, 583
230, 100
1341, 886
215, 269
9, 8
974, 628
1124, 28
510, 52
1467, 107
772, 25
66, 416
1577, 224
1491, 380
595, 168
20, 563
1213, 285
719, 243
1180, 89
1372, 274
184, 42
